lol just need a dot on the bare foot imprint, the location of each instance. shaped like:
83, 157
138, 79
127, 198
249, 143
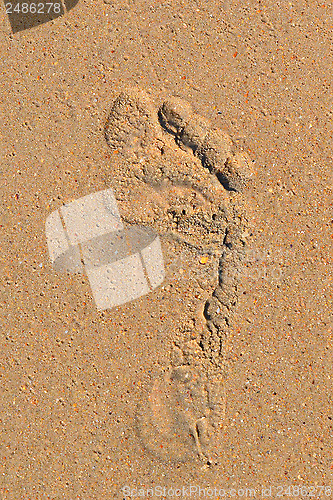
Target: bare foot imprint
184, 179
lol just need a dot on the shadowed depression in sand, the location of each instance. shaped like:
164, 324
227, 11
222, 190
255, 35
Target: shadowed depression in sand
189, 177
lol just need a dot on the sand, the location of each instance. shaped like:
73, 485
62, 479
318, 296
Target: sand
96, 404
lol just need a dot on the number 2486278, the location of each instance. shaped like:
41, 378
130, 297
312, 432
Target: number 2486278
33, 8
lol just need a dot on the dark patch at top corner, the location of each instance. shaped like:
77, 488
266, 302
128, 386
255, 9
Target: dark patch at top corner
20, 21
42, 12
71, 3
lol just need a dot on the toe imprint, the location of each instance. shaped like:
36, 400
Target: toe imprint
132, 124
239, 171
215, 150
174, 114
194, 133
213, 147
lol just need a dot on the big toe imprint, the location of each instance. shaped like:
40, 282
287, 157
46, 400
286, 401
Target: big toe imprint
181, 175
132, 124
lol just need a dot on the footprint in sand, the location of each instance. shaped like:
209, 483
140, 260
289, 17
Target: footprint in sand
178, 175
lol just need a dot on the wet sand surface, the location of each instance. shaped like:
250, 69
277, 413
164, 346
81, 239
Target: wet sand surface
72, 377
